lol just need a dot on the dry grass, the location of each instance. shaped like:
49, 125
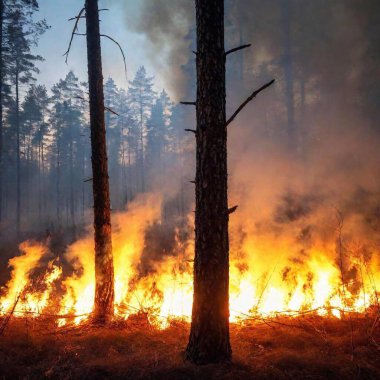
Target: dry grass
311, 348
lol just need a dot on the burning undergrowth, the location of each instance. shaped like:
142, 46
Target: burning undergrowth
302, 257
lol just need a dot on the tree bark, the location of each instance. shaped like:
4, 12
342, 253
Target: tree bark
1, 106
104, 272
209, 335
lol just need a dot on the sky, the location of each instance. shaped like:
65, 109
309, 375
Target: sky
54, 42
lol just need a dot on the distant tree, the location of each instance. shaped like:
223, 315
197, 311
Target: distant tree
159, 136
22, 33
141, 96
128, 130
33, 131
114, 135
66, 119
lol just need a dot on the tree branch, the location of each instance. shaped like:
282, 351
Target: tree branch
111, 110
121, 50
237, 48
191, 130
253, 95
232, 209
77, 18
188, 103
105, 108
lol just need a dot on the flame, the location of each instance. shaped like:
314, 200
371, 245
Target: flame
265, 278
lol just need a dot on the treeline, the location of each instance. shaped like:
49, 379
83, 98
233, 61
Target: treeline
45, 159
52, 130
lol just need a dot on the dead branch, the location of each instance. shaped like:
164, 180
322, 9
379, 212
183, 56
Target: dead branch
76, 17
253, 95
88, 180
111, 110
121, 50
238, 48
188, 103
232, 209
191, 130
105, 108
75, 28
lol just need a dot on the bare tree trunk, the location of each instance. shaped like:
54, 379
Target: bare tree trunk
18, 179
209, 336
1, 106
104, 273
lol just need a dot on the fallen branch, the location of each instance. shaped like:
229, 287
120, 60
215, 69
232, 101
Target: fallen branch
253, 95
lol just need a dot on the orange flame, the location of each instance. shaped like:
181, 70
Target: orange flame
259, 285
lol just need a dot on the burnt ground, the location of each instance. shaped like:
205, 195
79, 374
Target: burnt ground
284, 348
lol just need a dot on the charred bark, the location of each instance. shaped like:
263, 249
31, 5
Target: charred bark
209, 336
104, 272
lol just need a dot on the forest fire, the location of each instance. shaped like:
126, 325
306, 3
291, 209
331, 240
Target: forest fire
191, 191
164, 292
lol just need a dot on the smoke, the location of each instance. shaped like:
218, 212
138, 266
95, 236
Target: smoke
289, 195
166, 26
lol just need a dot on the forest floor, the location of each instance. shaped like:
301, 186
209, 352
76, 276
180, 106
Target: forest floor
280, 348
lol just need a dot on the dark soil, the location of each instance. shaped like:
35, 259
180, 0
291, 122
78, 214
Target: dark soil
298, 348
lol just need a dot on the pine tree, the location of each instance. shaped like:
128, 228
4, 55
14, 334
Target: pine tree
22, 33
66, 120
141, 96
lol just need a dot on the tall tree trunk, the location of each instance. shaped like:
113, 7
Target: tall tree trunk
1, 106
209, 336
289, 74
104, 273
18, 178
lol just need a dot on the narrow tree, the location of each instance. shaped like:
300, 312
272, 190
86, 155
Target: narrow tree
104, 273
141, 98
209, 335
22, 33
